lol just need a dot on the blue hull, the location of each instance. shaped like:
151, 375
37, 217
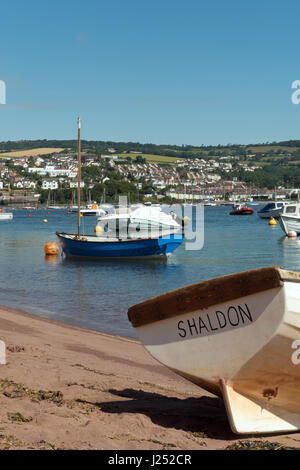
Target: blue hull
119, 249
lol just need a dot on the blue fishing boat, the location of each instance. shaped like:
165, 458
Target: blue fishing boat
116, 244
91, 246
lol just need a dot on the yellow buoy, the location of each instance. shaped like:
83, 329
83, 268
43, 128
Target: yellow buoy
51, 248
186, 220
98, 229
45, 220
272, 221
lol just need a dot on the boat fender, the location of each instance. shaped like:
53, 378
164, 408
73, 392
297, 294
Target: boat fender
98, 229
185, 220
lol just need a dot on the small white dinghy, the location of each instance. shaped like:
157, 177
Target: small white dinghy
5, 215
237, 336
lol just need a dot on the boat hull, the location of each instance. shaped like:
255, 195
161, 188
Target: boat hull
6, 216
275, 213
93, 247
289, 223
242, 212
240, 347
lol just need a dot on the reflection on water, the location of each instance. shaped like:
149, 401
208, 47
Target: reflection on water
289, 249
52, 259
97, 293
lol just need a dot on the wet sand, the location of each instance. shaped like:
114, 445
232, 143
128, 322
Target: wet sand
66, 387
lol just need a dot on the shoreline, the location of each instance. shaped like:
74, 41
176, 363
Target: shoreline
68, 387
62, 323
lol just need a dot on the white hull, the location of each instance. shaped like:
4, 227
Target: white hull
290, 223
6, 215
144, 224
142, 219
91, 212
240, 348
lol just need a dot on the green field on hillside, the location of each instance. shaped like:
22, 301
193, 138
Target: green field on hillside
269, 148
152, 158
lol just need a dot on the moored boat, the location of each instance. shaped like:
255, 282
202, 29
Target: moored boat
289, 219
272, 209
115, 244
92, 210
237, 336
5, 215
242, 210
91, 246
143, 218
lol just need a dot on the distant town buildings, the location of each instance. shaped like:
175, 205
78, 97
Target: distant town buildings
188, 179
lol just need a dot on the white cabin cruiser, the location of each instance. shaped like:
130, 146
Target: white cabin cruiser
272, 209
92, 210
136, 219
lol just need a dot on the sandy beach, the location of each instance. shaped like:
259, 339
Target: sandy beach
66, 387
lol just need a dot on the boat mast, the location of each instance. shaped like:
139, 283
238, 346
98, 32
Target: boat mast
78, 176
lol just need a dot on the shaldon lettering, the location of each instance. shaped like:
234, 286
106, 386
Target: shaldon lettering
296, 354
234, 316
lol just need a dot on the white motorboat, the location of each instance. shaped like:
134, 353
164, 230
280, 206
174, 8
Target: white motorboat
237, 336
290, 218
92, 210
5, 215
272, 209
136, 219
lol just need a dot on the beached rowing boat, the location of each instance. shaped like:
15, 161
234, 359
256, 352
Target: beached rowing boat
237, 336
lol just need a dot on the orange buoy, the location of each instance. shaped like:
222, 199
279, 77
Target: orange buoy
51, 248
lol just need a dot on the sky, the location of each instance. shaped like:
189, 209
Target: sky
161, 71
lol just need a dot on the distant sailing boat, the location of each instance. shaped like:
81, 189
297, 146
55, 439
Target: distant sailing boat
51, 205
103, 245
73, 208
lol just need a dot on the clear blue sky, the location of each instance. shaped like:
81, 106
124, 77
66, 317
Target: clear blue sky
159, 71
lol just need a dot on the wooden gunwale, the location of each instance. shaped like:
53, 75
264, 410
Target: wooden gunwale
208, 293
117, 240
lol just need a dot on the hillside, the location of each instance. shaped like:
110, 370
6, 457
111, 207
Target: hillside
270, 165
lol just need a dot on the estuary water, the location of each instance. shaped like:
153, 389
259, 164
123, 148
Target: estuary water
96, 294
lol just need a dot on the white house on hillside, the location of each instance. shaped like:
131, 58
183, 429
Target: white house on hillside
49, 184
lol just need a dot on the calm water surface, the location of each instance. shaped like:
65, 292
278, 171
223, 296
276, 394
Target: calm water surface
96, 294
